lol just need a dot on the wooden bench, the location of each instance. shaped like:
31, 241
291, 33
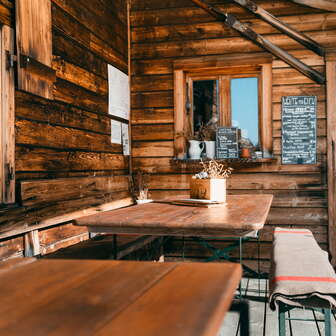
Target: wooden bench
301, 276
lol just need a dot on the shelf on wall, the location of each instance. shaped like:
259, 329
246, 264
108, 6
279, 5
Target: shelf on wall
238, 160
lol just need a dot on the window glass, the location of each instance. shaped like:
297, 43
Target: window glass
205, 102
244, 107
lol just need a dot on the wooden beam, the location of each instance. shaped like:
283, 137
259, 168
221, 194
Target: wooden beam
285, 28
331, 141
329, 5
232, 22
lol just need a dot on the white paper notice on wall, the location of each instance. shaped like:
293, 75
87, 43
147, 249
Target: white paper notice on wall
119, 93
125, 139
116, 132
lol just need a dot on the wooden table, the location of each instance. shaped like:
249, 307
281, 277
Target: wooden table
87, 297
241, 215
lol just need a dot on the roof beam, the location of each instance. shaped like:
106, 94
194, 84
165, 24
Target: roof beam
262, 42
329, 5
288, 30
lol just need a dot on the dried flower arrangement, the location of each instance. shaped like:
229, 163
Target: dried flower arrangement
208, 132
213, 170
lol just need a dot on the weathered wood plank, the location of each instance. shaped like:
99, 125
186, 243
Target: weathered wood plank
161, 165
282, 198
260, 181
191, 30
25, 219
75, 95
175, 12
152, 116
47, 191
49, 160
55, 113
320, 4
156, 149
79, 76
189, 48
42, 134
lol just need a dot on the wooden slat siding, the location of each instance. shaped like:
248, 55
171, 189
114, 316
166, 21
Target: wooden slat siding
50, 160
26, 219
161, 165
220, 45
48, 191
174, 12
331, 143
218, 30
329, 5
41, 134
9, 248
68, 137
178, 31
6, 10
31, 107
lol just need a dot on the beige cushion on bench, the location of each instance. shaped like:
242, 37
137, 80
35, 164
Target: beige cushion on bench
301, 274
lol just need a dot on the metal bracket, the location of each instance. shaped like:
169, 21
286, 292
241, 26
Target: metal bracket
9, 174
11, 59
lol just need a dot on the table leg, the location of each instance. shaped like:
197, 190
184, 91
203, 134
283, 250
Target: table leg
242, 307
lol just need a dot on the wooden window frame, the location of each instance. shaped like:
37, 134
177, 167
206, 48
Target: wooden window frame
228, 65
7, 115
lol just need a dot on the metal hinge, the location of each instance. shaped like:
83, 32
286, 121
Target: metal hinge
10, 60
9, 173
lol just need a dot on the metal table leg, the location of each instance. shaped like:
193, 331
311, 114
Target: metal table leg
242, 307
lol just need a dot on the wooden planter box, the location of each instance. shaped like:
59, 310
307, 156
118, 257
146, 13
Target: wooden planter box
209, 189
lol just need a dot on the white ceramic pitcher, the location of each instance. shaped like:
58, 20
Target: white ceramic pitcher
195, 149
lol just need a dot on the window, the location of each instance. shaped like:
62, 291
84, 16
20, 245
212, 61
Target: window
237, 95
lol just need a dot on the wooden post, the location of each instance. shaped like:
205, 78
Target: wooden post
331, 141
7, 133
32, 244
179, 114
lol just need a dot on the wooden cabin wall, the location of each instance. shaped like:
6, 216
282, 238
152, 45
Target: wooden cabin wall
65, 161
165, 31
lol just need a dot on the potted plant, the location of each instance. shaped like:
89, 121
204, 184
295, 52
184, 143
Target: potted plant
139, 187
210, 183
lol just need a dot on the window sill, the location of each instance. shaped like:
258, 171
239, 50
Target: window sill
238, 160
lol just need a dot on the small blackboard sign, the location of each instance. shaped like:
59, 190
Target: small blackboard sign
227, 143
299, 129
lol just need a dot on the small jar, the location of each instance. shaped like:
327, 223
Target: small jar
245, 153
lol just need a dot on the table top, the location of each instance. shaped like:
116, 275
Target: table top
91, 297
241, 215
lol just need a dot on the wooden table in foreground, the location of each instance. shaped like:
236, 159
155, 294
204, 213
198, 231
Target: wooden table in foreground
242, 214
87, 297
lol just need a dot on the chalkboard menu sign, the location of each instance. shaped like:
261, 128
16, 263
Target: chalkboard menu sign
299, 129
227, 143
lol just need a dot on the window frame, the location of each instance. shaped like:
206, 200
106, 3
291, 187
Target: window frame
231, 66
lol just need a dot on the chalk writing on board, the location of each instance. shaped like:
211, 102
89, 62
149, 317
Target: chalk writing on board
299, 129
227, 143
